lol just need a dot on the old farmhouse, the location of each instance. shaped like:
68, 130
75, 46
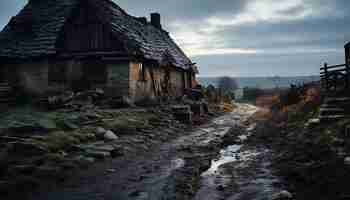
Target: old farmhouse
57, 45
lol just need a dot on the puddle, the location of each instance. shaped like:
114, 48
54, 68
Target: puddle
226, 156
177, 163
247, 169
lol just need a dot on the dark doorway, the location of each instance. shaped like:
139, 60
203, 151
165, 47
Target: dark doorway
94, 73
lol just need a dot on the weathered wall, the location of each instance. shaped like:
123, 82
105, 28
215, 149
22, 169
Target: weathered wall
140, 88
32, 77
177, 82
123, 78
35, 77
149, 88
118, 79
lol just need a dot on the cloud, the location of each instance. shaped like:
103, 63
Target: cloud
9, 8
267, 27
246, 36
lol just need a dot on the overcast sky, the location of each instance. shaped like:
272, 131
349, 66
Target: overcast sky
246, 37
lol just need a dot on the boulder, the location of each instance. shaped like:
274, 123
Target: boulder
347, 161
27, 148
182, 113
47, 124
24, 169
100, 132
47, 171
282, 195
67, 124
109, 135
84, 161
98, 154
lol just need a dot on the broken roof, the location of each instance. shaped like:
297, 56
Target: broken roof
35, 30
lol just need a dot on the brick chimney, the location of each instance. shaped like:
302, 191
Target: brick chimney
155, 20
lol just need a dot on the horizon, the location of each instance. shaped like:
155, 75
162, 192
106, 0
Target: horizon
260, 37
316, 75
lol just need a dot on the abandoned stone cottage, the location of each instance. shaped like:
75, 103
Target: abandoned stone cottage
57, 45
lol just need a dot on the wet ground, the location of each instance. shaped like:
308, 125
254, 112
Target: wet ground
190, 167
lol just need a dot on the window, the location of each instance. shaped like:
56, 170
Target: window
57, 72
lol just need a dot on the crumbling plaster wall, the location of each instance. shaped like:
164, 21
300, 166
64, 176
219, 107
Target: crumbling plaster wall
142, 88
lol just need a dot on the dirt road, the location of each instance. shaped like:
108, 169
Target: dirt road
201, 164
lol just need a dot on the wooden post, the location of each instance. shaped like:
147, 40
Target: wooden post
325, 67
347, 69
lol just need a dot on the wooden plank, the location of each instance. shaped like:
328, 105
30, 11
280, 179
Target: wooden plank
333, 71
333, 66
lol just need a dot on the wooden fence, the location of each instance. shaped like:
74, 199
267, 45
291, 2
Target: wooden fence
335, 78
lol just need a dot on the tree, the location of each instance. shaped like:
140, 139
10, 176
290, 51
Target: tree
227, 84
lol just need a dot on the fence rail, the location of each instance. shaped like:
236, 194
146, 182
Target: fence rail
335, 78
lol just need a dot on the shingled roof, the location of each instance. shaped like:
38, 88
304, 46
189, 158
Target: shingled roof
35, 30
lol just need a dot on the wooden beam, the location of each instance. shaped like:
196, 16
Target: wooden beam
97, 53
333, 66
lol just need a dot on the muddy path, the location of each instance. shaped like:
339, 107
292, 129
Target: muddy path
201, 164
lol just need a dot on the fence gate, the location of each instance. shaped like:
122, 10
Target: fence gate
335, 79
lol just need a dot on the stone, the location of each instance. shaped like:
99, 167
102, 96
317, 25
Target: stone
47, 171
100, 131
117, 152
185, 118
25, 169
282, 195
68, 125
109, 135
98, 154
84, 161
27, 148
111, 170
47, 124
347, 160
313, 122
106, 147
197, 109
220, 188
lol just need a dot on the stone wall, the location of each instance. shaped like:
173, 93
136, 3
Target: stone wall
34, 77
123, 78
118, 79
31, 77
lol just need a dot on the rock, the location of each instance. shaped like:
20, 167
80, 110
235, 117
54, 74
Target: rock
111, 170
117, 152
121, 102
313, 122
109, 135
84, 161
47, 171
66, 124
98, 154
108, 148
347, 160
68, 165
25, 169
47, 124
27, 148
283, 195
220, 188
100, 132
